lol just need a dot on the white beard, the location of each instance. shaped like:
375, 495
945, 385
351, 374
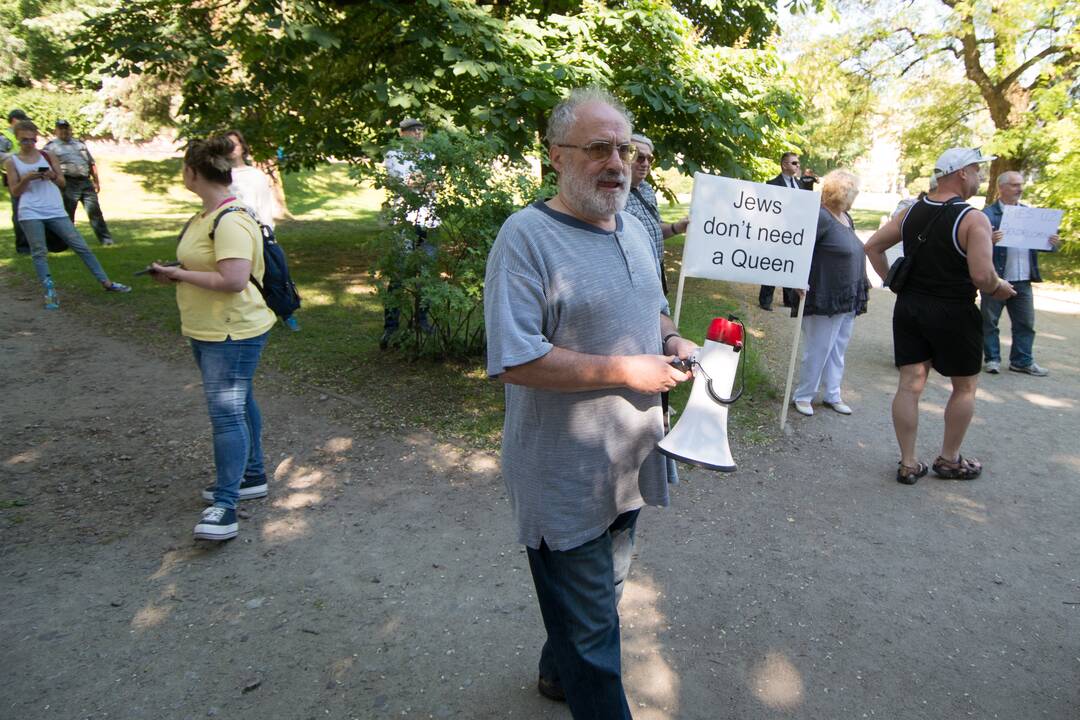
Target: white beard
581, 190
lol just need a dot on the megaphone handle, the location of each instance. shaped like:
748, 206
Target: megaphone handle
742, 374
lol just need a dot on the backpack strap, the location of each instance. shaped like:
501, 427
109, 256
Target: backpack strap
220, 215
217, 221
185, 228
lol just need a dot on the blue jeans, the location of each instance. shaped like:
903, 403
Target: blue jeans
579, 591
35, 234
78, 190
1021, 309
228, 368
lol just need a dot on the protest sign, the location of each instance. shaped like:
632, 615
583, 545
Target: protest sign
750, 232
1028, 227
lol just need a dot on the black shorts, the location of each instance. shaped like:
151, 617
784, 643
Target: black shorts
948, 334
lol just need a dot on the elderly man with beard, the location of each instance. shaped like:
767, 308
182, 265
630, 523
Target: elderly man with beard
579, 333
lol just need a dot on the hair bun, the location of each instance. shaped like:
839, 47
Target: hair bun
210, 158
219, 148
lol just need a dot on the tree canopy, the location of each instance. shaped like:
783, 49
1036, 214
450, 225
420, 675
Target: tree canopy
330, 79
1007, 59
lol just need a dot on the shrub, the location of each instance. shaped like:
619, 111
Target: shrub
472, 190
45, 108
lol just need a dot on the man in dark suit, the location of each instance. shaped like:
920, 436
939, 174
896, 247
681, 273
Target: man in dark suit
790, 176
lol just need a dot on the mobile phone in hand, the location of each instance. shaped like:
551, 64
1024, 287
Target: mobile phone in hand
148, 270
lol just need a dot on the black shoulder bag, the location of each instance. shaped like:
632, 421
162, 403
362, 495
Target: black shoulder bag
900, 270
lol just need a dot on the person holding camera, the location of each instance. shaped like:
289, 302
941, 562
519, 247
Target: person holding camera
34, 179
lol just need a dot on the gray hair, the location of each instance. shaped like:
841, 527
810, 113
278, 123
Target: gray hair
1003, 177
564, 115
639, 138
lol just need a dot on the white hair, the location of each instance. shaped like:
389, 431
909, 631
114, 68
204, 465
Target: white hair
564, 115
639, 138
1004, 177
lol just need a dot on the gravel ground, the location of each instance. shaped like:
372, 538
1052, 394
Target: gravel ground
381, 578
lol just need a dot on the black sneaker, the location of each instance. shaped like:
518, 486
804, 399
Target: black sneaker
217, 523
249, 490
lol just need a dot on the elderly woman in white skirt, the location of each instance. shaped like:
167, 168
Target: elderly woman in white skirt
838, 292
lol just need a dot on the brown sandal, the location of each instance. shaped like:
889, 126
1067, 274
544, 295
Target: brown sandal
908, 474
960, 469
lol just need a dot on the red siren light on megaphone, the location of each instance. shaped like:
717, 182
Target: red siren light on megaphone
700, 436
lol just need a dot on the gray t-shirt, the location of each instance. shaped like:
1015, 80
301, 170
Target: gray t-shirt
574, 461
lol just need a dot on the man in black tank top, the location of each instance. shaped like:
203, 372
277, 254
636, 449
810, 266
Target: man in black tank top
936, 323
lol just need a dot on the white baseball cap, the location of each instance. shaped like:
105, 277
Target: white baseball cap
955, 159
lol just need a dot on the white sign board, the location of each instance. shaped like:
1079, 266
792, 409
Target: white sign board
750, 232
1028, 227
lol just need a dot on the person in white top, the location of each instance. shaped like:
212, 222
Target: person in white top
251, 186
34, 178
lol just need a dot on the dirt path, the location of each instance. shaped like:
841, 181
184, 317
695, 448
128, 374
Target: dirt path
381, 578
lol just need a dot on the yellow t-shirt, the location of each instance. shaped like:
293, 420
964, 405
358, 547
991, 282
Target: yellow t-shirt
212, 315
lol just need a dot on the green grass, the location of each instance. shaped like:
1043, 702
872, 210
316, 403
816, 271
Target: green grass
1061, 268
866, 219
331, 243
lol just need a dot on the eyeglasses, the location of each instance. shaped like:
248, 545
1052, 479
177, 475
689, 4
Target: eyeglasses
643, 159
601, 150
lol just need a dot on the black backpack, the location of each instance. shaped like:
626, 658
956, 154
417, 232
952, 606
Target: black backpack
277, 288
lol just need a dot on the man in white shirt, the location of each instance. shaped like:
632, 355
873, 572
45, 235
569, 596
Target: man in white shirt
422, 218
1020, 267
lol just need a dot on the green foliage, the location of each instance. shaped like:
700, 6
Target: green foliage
331, 79
937, 116
971, 63
472, 189
14, 70
1055, 182
136, 107
36, 41
45, 108
841, 105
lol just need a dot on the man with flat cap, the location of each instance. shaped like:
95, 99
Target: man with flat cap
81, 178
422, 219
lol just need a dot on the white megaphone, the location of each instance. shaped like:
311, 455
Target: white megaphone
700, 436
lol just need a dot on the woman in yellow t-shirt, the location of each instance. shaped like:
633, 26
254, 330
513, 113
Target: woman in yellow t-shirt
227, 321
